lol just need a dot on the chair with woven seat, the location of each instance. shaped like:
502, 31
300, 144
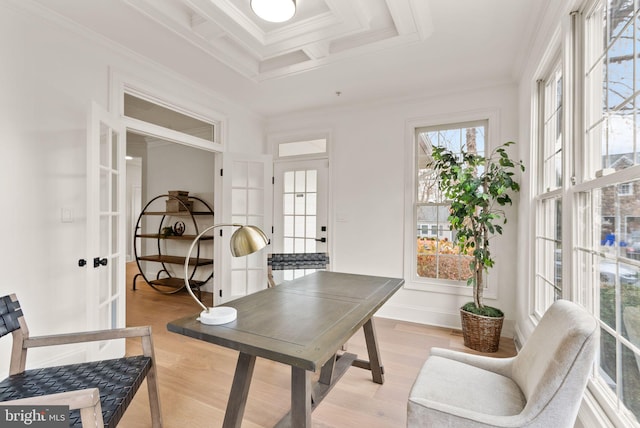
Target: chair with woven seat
116, 379
294, 261
541, 387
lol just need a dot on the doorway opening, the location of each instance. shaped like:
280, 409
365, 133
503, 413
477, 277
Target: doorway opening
166, 150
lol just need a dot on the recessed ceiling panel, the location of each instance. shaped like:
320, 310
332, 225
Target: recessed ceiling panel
322, 31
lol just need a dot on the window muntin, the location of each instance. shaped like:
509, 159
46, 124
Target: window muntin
437, 257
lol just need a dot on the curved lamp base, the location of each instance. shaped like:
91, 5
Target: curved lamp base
218, 315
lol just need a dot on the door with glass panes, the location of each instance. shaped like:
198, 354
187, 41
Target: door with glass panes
300, 210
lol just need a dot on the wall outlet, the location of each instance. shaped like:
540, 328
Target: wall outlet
66, 215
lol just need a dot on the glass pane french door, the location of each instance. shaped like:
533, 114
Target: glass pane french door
105, 229
300, 210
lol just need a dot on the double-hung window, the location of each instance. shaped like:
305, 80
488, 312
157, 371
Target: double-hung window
587, 206
608, 279
548, 239
437, 257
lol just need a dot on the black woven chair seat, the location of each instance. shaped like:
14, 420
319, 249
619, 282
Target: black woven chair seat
290, 261
117, 379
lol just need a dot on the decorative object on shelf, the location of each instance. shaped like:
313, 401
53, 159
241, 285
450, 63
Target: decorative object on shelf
179, 201
172, 231
178, 228
477, 188
244, 241
274, 10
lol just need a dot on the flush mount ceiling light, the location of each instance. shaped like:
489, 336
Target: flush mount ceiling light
274, 10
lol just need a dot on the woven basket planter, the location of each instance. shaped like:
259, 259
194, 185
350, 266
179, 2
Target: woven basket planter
481, 333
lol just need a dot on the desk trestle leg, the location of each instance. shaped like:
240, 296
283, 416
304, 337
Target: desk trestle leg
374, 364
300, 398
239, 391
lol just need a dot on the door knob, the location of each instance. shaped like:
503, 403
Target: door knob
97, 261
321, 239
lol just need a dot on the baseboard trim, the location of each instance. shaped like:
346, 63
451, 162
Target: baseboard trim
432, 316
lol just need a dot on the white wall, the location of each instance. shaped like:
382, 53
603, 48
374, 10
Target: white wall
50, 73
368, 144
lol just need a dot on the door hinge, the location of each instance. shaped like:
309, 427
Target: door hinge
273, 229
220, 292
221, 173
273, 180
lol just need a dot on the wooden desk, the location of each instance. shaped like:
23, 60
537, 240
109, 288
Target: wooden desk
302, 323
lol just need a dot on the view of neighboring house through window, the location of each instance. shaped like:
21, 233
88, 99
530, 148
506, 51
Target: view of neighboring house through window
605, 197
437, 256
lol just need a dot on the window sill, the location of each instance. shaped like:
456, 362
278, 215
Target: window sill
597, 410
453, 288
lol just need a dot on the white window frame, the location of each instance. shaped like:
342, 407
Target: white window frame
493, 137
542, 194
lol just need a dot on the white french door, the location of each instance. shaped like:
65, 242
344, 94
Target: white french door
106, 245
300, 209
245, 197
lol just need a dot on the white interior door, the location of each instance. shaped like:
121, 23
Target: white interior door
106, 245
245, 197
300, 209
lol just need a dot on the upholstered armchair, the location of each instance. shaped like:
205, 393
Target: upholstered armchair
540, 387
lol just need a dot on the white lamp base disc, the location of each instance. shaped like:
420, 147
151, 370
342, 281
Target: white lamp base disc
218, 315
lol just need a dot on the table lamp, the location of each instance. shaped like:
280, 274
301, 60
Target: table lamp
244, 241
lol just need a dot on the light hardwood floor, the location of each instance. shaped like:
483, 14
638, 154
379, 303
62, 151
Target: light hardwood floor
195, 377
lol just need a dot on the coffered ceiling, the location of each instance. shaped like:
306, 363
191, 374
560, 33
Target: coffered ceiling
332, 53
321, 32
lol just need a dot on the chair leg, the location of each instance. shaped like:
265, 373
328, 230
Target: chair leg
154, 397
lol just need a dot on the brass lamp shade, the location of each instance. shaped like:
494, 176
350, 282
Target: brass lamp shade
247, 240
244, 241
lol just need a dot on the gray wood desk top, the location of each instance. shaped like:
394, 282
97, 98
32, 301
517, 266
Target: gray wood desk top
302, 322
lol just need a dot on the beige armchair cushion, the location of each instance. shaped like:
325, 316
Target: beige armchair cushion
541, 387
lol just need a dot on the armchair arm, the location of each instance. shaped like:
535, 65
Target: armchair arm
500, 366
88, 336
87, 400
19, 355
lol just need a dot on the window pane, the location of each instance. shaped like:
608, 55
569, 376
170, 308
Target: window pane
630, 379
312, 180
288, 181
299, 148
300, 181
147, 111
552, 135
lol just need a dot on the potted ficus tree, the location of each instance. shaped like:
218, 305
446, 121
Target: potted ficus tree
477, 187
